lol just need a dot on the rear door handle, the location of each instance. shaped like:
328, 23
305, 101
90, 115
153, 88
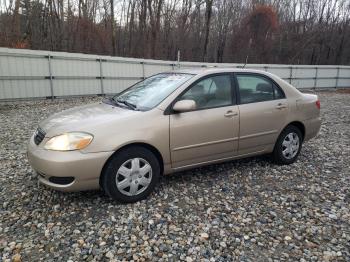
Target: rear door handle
231, 113
281, 106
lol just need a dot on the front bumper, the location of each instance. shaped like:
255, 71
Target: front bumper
85, 168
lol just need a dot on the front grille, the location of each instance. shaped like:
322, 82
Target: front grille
39, 136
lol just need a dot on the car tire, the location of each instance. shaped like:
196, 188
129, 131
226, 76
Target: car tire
288, 146
131, 174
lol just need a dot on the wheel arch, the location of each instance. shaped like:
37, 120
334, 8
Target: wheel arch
151, 148
299, 125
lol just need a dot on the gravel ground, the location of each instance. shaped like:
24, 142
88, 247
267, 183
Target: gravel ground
249, 210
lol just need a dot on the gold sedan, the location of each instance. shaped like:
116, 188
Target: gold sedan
169, 122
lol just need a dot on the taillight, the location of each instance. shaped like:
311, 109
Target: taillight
318, 104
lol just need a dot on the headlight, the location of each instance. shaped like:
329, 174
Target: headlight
69, 141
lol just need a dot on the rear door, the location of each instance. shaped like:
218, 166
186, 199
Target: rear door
211, 131
263, 112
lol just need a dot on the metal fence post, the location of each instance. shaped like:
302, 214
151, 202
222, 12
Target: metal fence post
143, 69
337, 78
290, 74
101, 76
50, 76
316, 76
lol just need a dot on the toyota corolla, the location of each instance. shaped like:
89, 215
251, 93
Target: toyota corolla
170, 122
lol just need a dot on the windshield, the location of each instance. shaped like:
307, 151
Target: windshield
151, 91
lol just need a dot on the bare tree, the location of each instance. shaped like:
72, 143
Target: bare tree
112, 28
208, 12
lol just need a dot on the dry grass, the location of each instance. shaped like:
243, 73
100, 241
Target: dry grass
343, 91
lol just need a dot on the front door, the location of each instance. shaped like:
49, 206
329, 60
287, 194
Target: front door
211, 131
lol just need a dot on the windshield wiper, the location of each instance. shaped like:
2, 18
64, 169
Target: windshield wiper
128, 104
111, 101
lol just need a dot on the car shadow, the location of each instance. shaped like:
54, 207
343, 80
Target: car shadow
204, 175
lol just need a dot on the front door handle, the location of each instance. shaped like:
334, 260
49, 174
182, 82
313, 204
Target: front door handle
231, 113
281, 106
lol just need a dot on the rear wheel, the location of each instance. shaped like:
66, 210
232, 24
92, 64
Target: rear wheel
288, 145
131, 174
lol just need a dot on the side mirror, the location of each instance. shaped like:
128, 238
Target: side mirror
184, 106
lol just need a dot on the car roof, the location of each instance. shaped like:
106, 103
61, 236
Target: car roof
211, 70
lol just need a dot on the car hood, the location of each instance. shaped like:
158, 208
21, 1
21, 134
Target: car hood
84, 118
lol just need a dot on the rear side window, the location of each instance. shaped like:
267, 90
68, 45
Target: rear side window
254, 88
278, 92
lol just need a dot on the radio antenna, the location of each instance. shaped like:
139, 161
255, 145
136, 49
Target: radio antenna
246, 61
246, 58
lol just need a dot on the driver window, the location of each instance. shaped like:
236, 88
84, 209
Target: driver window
211, 92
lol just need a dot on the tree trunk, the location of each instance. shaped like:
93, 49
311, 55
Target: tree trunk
113, 37
208, 12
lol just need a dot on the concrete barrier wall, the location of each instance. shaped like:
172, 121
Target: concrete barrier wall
26, 74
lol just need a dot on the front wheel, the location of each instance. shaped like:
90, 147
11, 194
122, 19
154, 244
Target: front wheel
288, 145
131, 174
